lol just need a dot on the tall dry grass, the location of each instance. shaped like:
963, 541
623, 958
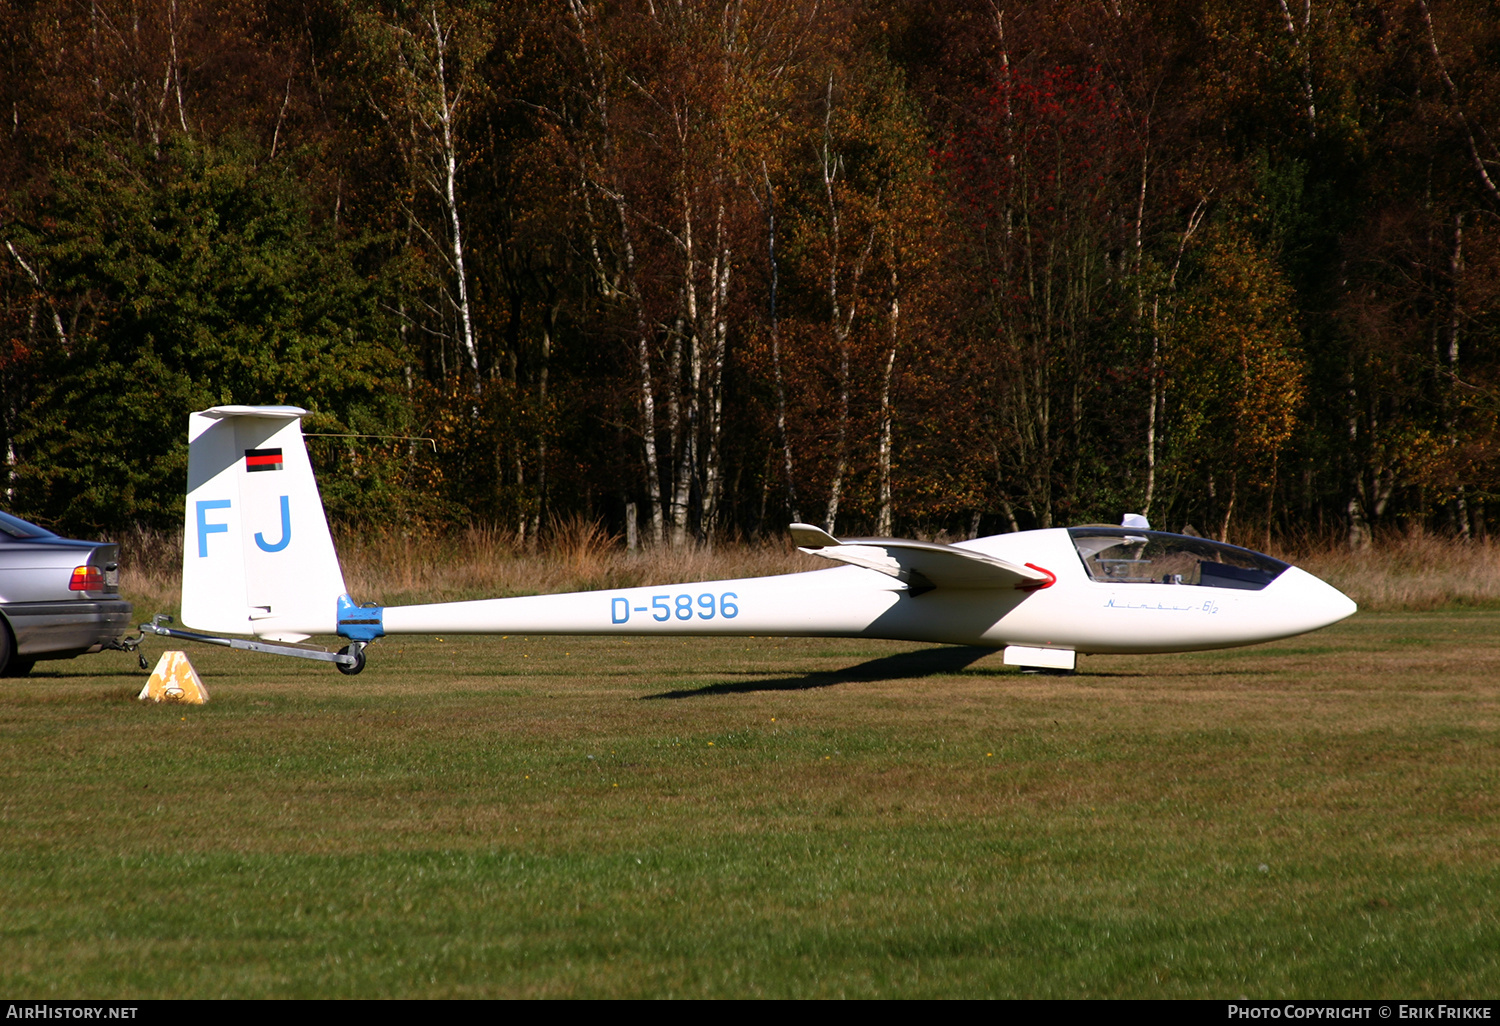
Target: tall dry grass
576, 555
151, 570
1410, 572
392, 568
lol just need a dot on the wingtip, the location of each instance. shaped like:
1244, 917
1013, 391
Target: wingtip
806, 536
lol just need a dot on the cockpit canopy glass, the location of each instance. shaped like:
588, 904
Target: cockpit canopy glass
1118, 555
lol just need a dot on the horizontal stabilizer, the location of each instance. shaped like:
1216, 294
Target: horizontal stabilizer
921, 565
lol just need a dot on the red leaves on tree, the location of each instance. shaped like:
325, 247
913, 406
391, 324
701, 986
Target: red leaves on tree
1040, 149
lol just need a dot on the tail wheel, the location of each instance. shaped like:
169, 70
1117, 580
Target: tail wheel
358, 652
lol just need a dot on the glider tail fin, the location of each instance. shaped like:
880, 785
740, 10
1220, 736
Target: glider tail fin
257, 557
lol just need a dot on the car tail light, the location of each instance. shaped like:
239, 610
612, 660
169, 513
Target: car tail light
86, 578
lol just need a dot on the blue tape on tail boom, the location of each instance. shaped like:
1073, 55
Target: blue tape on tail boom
360, 623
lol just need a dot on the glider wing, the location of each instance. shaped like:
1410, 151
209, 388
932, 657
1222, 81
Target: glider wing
922, 566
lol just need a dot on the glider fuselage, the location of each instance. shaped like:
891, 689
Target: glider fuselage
1076, 612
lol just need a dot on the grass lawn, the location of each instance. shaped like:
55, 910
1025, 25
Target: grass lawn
479, 817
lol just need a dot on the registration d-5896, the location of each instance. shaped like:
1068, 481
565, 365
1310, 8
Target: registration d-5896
704, 606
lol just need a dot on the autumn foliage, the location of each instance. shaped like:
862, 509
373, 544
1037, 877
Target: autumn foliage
692, 270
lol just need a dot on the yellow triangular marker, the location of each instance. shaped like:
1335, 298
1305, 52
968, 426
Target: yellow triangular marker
174, 680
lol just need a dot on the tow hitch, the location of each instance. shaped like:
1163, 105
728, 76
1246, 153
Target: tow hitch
349, 660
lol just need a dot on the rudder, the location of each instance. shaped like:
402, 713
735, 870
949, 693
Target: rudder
257, 556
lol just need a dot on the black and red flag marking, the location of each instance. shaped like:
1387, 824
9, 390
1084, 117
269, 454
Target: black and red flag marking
262, 459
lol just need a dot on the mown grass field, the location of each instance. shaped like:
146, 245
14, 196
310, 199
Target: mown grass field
579, 817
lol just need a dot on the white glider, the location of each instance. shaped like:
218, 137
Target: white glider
258, 560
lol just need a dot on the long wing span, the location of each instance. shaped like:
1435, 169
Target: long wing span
921, 565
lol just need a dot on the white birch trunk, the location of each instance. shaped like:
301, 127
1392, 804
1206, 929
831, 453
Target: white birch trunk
36, 280
1455, 274
685, 429
1475, 157
1158, 387
780, 384
842, 318
830, 170
884, 524
1302, 43
648, 396
714, 388
448, 158
620, 282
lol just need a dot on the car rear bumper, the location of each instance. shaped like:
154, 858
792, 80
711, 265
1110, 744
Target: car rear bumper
56, 630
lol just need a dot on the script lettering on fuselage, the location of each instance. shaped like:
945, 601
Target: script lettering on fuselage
1206, 607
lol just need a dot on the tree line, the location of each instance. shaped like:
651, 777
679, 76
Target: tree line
695, 269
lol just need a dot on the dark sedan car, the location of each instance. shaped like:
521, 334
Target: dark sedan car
58, 597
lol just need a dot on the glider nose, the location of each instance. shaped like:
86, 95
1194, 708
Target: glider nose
1310, 602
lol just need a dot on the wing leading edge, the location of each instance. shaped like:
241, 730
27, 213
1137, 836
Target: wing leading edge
922, 566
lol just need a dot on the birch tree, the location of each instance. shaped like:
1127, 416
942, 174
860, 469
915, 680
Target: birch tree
1042, 172
658, 132
419, 63
1237, 373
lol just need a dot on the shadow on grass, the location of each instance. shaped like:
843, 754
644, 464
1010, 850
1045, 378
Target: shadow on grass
62, 671
926, 662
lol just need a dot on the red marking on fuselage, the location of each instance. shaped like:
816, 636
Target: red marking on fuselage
1049, 582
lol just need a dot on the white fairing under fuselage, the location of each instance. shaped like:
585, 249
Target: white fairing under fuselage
1076, 613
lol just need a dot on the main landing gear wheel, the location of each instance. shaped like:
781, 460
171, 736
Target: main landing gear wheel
358, 652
